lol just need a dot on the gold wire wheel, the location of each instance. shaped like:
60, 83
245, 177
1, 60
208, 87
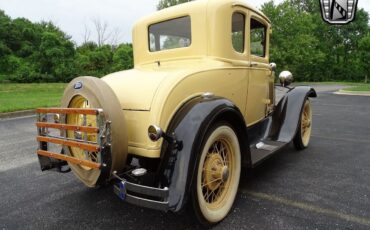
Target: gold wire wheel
79, 119
306, 123
218, 174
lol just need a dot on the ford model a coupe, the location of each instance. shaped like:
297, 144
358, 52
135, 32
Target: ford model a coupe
198, 107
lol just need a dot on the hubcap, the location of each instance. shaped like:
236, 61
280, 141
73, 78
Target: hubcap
216, 172
225, 173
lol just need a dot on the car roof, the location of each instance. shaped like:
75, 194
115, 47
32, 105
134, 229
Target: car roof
211, 5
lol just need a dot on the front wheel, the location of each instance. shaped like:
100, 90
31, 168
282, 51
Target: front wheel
218, 173
303, 135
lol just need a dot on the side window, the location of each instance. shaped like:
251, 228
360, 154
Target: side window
238, 31
258, 38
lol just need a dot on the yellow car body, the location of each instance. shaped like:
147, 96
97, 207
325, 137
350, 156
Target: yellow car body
161, 82
198, 106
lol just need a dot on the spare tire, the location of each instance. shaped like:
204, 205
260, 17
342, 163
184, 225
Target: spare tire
91, 92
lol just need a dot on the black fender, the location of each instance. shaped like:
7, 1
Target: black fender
287, 113
189, 125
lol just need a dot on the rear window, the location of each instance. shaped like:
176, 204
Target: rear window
171, 34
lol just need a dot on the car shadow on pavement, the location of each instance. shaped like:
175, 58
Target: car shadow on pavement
118, 213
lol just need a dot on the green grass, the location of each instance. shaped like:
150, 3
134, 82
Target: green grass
360, 88
332, 83
14, 97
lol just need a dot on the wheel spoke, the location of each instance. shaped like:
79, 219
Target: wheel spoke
224, 153
213, 196
216, 148
207, 170
205, 195
209, 193
210, 182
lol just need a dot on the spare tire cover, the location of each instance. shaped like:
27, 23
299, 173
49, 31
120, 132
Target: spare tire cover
100, 95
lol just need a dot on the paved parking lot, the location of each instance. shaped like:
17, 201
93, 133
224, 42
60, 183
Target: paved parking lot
326, 186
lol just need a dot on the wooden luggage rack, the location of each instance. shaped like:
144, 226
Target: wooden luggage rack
44, 137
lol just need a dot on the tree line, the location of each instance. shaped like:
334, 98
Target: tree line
41, 52
301, 42
314, 50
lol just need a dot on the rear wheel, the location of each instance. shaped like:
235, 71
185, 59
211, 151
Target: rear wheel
303, 135
218, 174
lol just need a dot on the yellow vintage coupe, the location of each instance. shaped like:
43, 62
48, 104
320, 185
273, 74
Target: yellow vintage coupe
178, 128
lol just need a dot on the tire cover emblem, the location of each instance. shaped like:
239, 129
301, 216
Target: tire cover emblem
78, 85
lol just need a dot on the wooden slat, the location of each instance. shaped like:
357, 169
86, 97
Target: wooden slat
81, 145
86, 129
73, 160
68, 111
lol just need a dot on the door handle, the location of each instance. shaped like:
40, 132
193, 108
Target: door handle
253, 64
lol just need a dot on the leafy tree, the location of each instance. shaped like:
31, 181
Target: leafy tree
167, 3
93, 60
312, 49
293, 44
4, 26
340, 44
56, 56
308, 6
364, 45
123, 58
34, 52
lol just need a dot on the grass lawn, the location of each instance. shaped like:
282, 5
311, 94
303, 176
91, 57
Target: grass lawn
332, 83
362, 88
14, 97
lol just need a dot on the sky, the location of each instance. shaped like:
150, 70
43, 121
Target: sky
73, 16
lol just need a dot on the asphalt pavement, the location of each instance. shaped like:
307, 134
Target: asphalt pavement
326, 186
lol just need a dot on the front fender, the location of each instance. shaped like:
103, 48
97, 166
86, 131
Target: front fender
189, 126
287, 113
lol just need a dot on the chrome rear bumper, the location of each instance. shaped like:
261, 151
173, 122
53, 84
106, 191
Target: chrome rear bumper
144, 196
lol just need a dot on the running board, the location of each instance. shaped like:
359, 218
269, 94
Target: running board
264, 149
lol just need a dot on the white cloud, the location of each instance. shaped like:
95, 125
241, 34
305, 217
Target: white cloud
72, 15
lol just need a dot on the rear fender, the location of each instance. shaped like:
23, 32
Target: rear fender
189, 125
